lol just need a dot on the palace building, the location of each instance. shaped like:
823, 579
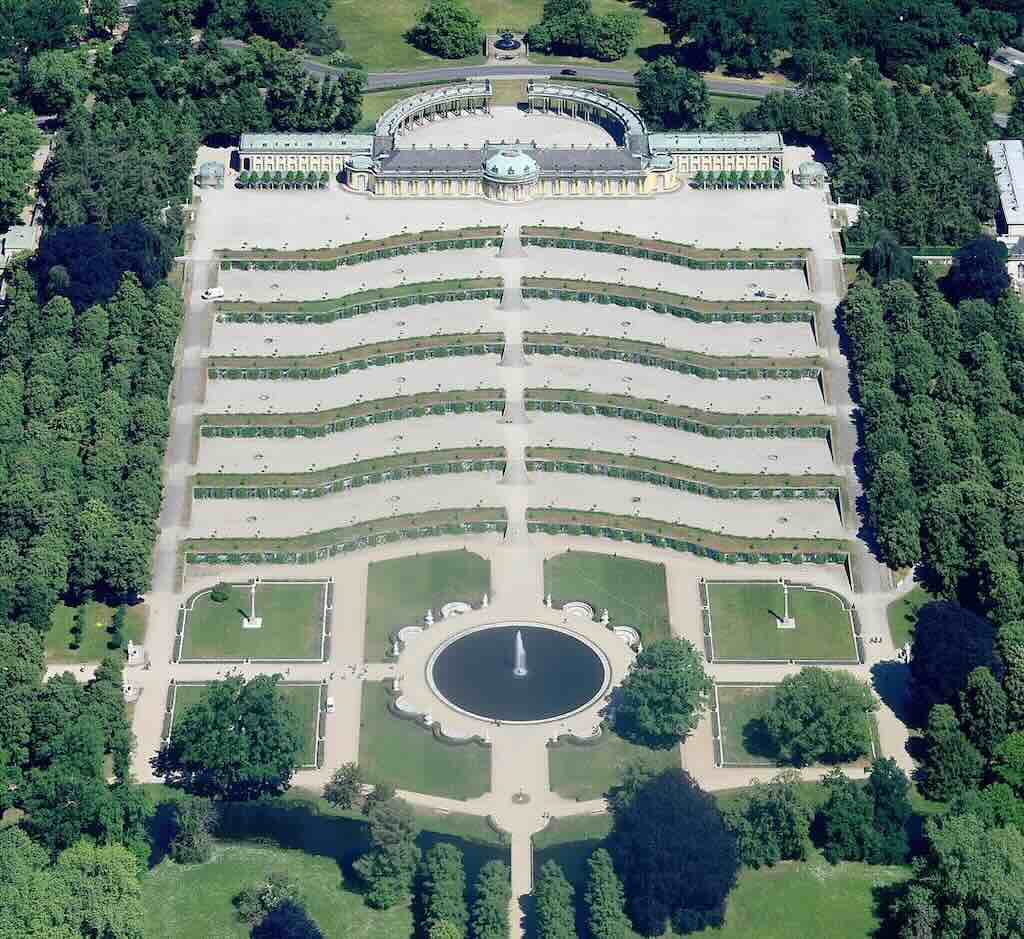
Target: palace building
638, 163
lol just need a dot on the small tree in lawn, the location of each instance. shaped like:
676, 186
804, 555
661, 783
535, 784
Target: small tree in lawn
722, 180
311, 178
442, 888
888, 786
345, 787
952, 763
448, 28
243, 179
253, 903
604, 899
555, 904
381, 793
664, 694
267, 180
278, 179
772, 823
734, 179
78, 624
983, 711
323, 179
193, 825
779, 179
698, 178
387, 869
845, 820
221, 593
493, 895
117, 624
745, 179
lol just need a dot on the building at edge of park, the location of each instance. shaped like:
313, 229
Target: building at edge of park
638, 164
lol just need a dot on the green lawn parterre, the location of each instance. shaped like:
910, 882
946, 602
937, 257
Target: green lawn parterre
293, 623
406, 754
588, 771
314, 843
303, 698
401, 590
634, 592
792, 899
743, 623
743, 739
95, 641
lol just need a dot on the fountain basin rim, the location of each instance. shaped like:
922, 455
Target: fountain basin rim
584, 640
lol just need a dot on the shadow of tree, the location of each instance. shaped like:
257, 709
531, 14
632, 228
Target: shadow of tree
891, 680
757, 741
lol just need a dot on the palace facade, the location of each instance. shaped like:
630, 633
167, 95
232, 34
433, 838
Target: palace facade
639, 164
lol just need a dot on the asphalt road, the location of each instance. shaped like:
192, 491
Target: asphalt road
378, 81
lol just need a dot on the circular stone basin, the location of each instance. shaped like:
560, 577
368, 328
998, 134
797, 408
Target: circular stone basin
507, 42
474, 673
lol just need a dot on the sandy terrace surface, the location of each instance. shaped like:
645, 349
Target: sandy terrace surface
639, 272
471, 372
725, 339
296, 455
283, 517
791, 217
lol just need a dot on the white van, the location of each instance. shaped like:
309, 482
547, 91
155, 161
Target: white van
213, 293
329, 707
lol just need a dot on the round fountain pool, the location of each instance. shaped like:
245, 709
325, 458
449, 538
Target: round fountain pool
476, 672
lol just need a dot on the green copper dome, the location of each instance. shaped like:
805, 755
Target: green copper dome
510, 166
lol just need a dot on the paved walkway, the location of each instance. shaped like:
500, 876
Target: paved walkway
520, 800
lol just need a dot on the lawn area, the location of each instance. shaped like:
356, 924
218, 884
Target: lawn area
739, 712
902, 615
96, 637
743, 623
633, 592
400, 591
790, 899
304, 699
375, 35
293, 615
744, 742
312, 842
588, 771
999, 88
407, 755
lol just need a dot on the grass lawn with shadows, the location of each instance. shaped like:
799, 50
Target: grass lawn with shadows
791, 899
292, 627
588, 771
744, 740
902, 614
375, 35
407, 755
400, 591
633, 592
304, 700
311, 841
95, 643
744, 615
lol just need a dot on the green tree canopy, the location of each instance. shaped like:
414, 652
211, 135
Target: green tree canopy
772, 823
493, 891
671, 97
20, 139
663, 696
676, 858
555, 903
442, 888
820, 715
448, 28
240, 741
604, 899
388, 868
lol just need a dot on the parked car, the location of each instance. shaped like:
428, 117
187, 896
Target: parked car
568, 71
329, 707
213, 293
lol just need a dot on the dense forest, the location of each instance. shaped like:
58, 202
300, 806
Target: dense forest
919, 40
915, 162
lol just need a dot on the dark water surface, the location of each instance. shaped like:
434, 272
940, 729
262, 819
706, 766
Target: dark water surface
475, 673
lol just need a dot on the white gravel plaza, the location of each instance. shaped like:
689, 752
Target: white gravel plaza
296, 219
508, 125
435, 319
729, 396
